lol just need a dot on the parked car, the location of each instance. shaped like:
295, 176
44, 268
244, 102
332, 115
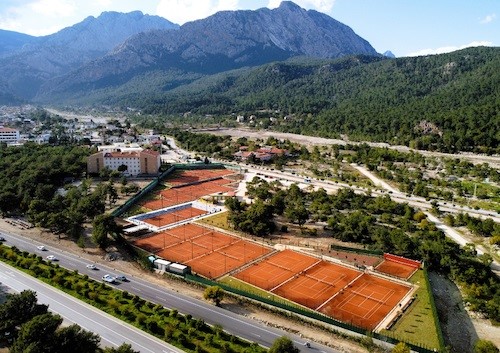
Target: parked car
92, 267
108, 278
51, 258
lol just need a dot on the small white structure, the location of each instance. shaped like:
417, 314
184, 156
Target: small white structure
179, 269
161, 264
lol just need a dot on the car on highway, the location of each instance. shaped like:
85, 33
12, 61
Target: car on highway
92, 267
108, 278
41, 248
51, 258
121, 278
2, 239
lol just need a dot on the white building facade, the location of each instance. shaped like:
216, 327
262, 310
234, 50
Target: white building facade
9, 135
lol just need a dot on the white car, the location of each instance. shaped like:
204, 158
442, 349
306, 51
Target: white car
41, 248
51, 258
108, 278
91, 267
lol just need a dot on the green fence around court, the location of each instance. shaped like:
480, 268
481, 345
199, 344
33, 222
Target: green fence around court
150, 187
276, 302
134, 199
191, 166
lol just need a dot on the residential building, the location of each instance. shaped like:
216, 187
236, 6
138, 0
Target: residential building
136, 162
120, 147
263, 154
9, 135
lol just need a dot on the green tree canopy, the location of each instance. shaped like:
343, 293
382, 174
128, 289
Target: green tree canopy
485, 346
401, 347
283, 345
18, 309
104, 225
214, 293
124, 348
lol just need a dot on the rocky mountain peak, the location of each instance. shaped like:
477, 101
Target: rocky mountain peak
104, 32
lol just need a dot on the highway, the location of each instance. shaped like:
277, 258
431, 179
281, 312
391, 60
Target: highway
113, 332
232, 323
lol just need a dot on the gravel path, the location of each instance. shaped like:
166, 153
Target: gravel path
493, 161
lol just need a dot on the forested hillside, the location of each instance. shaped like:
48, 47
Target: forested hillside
448, 102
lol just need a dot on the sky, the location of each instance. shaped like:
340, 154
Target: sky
405, 27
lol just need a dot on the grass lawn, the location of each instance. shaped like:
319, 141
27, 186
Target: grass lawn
417, 325
218, 220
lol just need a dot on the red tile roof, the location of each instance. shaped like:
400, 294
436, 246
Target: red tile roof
7, 129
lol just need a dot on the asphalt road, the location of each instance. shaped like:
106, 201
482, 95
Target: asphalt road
113, 332
231, 322
395, 195
494, 161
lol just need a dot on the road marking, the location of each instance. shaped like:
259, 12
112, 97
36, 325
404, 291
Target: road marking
137, 289
97, 311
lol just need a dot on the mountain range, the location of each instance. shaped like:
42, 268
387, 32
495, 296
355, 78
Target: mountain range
115, 49
28, 61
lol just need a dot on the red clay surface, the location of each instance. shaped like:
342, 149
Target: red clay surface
323, 286
175, 216
276, 269
195, 175
366, 301
396, 269
209, 253
188, 193
315, 286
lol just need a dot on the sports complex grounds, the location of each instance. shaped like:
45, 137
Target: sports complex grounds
370, 297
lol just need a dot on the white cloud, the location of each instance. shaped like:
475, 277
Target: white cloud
319, 5
42, 17
182, 11
489, 18
449, 49
53, 8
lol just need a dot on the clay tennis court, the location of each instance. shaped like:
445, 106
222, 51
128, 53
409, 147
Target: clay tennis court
196, 175
342, 292
178, 195
396, 269
316, 285
366, 301
174, 216
276, 269
228, 258
207, 252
